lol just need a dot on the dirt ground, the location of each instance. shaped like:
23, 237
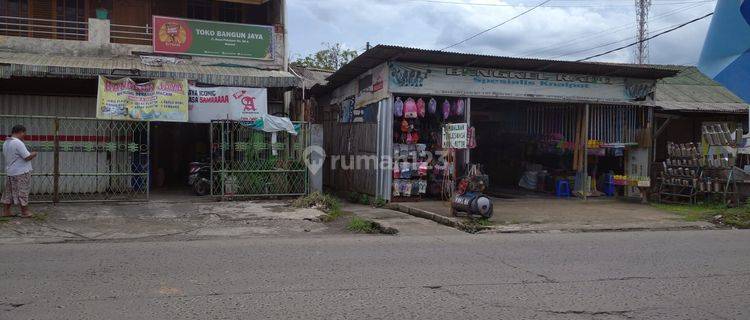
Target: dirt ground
548, 213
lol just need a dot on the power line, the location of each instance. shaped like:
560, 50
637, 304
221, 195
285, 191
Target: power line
588, 4
591, 36
648, 38
496, 26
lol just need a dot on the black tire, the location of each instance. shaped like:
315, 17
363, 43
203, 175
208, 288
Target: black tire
202, 187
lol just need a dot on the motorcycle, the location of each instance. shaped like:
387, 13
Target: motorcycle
199, 178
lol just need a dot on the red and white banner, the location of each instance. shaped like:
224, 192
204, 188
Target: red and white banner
226, 103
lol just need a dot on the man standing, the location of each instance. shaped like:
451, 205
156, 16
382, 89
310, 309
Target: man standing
18, 171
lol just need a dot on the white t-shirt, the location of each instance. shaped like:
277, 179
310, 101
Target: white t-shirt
15, 153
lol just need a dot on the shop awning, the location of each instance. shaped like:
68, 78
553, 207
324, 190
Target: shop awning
37, 65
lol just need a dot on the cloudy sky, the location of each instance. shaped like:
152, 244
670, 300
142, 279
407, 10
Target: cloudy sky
562, 29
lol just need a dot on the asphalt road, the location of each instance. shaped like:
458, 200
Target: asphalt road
628, 275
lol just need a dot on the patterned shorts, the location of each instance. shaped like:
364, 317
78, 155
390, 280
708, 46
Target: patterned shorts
17, 189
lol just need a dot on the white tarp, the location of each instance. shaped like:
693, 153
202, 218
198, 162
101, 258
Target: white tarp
226, 103
269, 123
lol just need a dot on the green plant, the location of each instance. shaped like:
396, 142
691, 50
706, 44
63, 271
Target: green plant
364, 199
738, 217
353, 197
318, 200
379, 202
484, 222
360, 225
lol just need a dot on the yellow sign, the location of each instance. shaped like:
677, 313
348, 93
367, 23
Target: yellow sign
156, 100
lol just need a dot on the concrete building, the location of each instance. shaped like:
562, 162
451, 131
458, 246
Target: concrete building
55, 54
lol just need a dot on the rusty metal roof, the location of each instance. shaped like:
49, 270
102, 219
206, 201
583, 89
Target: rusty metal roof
38, 65
692, 91
382, 53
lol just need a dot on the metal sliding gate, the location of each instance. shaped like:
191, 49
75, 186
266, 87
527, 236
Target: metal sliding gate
84, 159
250, 163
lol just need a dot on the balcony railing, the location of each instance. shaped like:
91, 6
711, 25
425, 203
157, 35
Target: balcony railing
43, 28
120, 33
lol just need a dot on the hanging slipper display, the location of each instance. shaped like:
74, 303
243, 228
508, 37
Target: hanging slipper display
446, 109
421, 108
432, 106
410, 109
398, 108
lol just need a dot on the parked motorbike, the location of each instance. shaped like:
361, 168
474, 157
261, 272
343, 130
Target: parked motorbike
200, 178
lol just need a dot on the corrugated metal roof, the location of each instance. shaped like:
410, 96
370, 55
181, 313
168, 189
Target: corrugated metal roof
37, 65
691, 90
382, 53
312, 76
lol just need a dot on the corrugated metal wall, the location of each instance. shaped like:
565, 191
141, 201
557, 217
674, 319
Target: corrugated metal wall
351, 141
48, 106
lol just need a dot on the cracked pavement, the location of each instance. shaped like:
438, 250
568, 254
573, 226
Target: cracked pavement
633, 275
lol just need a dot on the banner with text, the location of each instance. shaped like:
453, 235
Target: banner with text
211, 38
411, 78
156, 100
231, 103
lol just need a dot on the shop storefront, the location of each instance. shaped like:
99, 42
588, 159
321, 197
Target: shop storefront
123, 122
574, 129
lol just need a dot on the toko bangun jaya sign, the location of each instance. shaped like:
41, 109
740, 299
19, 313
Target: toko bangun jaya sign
209, 38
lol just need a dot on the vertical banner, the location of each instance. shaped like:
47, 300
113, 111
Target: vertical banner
232, 103
156, 100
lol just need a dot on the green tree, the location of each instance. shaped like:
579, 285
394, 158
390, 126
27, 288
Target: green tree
331, 57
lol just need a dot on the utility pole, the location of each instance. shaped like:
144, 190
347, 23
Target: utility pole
641, 16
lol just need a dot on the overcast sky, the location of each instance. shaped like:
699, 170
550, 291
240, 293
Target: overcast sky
562, 29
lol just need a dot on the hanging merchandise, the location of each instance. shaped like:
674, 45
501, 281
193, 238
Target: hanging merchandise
413, 137
446, 109
432, 106
410, 109
396, 172
422, 186
406, 188
398, 108
396, 188
421, 108
458, 108
405, 170
404, 125
422, 169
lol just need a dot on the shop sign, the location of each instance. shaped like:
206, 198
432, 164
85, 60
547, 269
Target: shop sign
211, 38
156, 100
231, 103
455, 135
412, 78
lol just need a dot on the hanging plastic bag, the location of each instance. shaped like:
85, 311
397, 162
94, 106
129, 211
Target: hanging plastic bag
432, 106
398, 108
458, 108
421, 109
446, 109
410, 109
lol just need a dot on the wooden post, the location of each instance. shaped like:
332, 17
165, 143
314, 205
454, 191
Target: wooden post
586, 186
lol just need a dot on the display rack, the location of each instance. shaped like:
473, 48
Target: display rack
705, 171
718, 179
681, 174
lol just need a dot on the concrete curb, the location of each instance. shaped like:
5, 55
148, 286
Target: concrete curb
446, 221
460, 225
492, 230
